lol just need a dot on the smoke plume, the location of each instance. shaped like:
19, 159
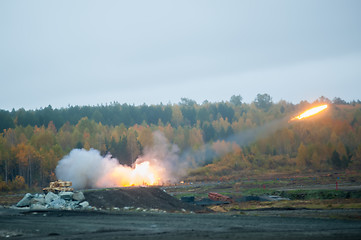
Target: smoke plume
88, 169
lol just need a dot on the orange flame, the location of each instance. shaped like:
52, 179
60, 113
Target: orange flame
310, 112
141, 174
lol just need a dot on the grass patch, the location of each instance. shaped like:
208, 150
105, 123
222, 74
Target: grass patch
296, 204
259, 192
305, 194
319, 194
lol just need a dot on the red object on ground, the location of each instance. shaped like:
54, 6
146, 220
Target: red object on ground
219, 197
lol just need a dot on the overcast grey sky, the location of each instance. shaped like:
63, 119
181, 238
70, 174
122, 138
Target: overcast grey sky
88, 52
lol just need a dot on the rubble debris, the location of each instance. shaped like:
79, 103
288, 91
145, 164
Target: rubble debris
60, 201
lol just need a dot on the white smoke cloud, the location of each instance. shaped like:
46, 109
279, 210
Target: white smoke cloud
83, 167
164, 154
88, 169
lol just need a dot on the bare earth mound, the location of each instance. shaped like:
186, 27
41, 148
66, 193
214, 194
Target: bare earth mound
143, 197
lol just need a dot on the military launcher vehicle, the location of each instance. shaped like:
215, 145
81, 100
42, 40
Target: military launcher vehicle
59, 186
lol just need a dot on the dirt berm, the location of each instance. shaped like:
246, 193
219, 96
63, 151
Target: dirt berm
138, 197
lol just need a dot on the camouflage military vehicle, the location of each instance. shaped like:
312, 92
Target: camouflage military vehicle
59, 186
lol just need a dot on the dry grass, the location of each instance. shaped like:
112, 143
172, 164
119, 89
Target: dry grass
8, 200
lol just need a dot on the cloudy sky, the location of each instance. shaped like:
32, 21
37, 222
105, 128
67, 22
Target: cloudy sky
88, 52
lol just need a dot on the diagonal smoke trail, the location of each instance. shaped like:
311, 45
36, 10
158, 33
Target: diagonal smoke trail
205, 154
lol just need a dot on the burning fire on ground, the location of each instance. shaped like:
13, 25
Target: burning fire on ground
89, 169
310, 112
141, 174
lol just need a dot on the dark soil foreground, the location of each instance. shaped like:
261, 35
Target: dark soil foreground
21, 224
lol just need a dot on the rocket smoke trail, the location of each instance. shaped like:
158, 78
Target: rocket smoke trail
243, 138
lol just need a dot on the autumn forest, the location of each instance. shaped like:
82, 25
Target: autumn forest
231, 137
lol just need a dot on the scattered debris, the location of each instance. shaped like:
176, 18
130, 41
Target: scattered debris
213, 199
8, 233
84, 204
219, 197
218, 209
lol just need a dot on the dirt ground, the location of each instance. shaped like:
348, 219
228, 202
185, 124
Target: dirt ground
20, 224
138, 197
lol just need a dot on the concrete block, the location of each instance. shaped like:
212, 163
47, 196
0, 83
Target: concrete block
37, 206
78, 196
38, 200
66, 195
57, 204
26, 201
84, 204
51, 197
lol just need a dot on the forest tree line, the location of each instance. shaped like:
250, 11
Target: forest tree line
32, 142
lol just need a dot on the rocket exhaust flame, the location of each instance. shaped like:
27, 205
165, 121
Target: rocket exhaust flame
310, 112
141, 174
88, 169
